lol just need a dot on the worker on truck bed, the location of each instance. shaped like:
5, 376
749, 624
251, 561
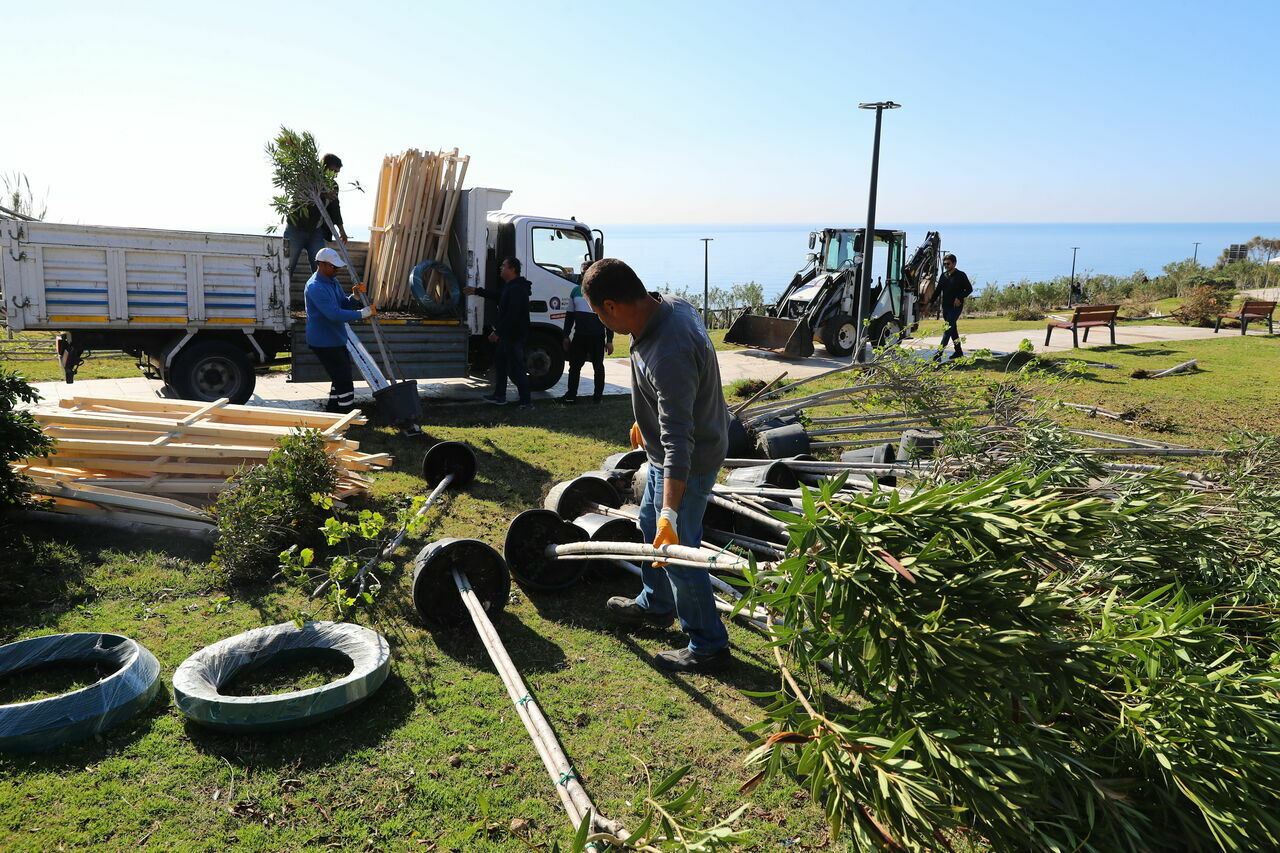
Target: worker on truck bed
953, 289
586, 339
305, 228
328, 312
509, 333
682, 423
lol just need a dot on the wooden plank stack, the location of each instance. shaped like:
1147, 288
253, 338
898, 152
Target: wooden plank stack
157, 462
417, 197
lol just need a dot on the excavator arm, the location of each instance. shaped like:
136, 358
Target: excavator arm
921, 272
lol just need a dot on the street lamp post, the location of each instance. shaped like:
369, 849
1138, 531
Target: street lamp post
1196, 253
869, 237
706, 278
1071, 295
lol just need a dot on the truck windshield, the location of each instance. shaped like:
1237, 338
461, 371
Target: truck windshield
562, 251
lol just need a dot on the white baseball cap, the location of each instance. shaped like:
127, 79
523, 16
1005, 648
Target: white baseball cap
330, 256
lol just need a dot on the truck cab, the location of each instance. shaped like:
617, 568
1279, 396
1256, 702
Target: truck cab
551, 253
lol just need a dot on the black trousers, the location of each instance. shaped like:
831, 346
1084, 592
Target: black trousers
584, 348
337, 363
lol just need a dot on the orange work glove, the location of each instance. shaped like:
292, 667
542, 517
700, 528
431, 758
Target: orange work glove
359, 288
667, 534
637, 440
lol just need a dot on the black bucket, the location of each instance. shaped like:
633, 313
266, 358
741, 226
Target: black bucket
772, 474
740, 444
399, 402
918, 444
435, 595
628, 460
880, 454
783, 442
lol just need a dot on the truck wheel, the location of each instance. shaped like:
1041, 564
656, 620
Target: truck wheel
210, 370
884, 332
839, 334
544, 358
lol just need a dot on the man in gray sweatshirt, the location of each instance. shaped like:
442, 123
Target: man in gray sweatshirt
682, 422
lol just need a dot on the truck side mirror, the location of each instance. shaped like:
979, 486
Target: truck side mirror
813, 238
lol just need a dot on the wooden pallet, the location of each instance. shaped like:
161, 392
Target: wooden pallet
159, 462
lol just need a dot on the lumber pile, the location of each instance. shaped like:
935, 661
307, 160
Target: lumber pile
417, 196
158, 462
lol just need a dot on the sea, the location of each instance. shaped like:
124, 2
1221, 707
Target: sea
998, 253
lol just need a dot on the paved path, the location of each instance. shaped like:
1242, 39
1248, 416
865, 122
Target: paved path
276, 390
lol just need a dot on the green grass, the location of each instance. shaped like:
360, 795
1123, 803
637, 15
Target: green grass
434, 753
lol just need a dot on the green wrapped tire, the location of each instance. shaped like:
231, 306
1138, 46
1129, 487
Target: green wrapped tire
198, 681
46, 723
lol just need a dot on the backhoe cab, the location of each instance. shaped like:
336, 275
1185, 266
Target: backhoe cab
821, 302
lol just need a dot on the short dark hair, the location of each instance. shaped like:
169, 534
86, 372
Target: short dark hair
514, 263
332, 162
948, 257
612, 279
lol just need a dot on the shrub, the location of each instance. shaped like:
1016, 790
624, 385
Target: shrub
269, 507
20, 437
1026, 312
1201, 306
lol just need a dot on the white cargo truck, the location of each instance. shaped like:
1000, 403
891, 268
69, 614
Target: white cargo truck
206, 312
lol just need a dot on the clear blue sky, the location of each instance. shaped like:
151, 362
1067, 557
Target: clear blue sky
156, 114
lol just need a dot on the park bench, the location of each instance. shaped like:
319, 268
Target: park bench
1086, 317
1252, 309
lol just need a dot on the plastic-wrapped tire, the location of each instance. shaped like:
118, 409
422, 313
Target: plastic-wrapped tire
46, 723
198, 681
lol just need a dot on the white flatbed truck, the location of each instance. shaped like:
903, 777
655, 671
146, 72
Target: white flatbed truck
206, 312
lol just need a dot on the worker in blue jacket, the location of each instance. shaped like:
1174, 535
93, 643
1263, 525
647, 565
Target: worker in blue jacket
328, 312
510, 331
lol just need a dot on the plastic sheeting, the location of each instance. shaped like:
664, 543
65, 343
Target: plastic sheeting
197, 682
46, 723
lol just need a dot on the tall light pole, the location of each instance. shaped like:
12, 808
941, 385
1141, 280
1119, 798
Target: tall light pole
1196, 253
869, 237
706, 278
1071, 295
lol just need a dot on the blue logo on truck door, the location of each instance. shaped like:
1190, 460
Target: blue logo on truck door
555, 303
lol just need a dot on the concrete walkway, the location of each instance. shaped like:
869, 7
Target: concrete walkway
275, 389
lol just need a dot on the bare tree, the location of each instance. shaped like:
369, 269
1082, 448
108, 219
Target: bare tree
19, 198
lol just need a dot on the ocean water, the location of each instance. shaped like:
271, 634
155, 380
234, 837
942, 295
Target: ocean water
998, 253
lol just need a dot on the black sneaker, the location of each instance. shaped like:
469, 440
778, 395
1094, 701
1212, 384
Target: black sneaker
566, 400
524, 406
627, 612
687, 660
959, 353
595, 401
495, 401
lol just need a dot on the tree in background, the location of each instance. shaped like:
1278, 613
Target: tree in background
20, 437
19, 198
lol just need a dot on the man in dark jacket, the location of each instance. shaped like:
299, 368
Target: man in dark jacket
305, 229
509, 333
586, 339
953, 289
328, 312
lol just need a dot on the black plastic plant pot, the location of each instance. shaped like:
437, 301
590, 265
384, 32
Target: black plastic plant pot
198, 682
741, 445
771, 474
399, 402
435, 595
628, 460
527, 539
578, 496
449, 457
609, 528
783, 441
880, 454
918, 444
47, 723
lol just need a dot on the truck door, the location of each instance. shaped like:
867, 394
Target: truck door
553, 263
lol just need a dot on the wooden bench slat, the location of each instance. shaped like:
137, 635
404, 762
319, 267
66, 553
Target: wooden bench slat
1087, 317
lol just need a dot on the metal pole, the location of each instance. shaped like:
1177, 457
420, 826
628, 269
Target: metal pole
706, 308
869, 237
1071, 294
1196, 253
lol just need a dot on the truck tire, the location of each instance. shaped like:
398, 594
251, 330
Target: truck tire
210, 370
198, 682
46, 723
884, 331
544, 358
839, 334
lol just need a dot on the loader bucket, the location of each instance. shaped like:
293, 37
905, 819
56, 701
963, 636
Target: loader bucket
792, 338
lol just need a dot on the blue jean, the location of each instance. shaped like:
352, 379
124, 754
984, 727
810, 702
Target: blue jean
686, 589
508, 361
312, 241
950, 314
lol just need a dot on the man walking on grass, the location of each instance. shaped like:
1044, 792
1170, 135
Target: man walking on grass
328, 312
953, 289
682, 423
509, 333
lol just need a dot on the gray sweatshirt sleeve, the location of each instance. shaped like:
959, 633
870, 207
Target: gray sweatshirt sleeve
676, 380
